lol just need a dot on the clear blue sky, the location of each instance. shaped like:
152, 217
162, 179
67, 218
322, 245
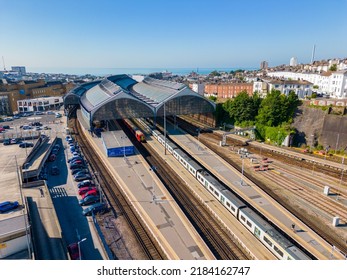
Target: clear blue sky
169, 34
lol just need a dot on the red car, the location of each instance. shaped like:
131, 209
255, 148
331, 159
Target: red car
83, 190
73, 251
90, 193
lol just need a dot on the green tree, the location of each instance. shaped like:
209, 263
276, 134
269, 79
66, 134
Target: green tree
333, 67
271, 109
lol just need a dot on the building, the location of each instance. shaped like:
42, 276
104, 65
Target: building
301, 88
39, 104
29, 90
333, 84
264, 65
229, 90
19, 69
199, 88
293, 61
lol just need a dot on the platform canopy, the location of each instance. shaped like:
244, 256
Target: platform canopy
120, 96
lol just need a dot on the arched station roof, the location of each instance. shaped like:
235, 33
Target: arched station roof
120, 96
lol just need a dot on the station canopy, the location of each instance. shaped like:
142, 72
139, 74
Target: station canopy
120, 97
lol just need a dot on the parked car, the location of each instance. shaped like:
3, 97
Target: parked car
76, 161
55, 151
84, 190
68, 137
82, 169
77, 166
85, 183
93, 192
88, 200
55, 170
74, 251
95, 208
81, 177
26, 145
8, 205
15, 141
6, 126
52, 157
7, 142
74, 158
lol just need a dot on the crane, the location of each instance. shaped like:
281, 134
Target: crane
3, 62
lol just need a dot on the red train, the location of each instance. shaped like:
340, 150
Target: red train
137, 132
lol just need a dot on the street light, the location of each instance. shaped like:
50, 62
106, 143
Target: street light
79, 248
198, 131
242, 157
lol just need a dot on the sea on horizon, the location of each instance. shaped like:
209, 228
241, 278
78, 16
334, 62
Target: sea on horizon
130, 71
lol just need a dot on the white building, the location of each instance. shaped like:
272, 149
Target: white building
331, 83
199, 88
293, 61
39, 104
301, 88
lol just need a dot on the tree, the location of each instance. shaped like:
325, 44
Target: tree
242, 108
333, 67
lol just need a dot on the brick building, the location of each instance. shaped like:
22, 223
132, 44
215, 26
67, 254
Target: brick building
10, 93
229, 90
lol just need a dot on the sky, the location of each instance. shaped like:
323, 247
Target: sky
169, 34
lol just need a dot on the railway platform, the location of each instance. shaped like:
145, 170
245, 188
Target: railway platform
256, 197
248, 241
154, 204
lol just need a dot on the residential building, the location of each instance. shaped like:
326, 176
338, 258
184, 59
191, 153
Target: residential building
301, 88
229, 90
197, 87
333, 84
264, 65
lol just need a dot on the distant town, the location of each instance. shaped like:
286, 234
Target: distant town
22, 91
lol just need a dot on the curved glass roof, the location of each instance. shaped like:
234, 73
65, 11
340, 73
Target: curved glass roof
120, 96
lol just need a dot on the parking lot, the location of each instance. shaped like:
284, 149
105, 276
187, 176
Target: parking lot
61, 186
64, 193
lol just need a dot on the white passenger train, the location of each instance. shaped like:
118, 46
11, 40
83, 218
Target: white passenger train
272, 239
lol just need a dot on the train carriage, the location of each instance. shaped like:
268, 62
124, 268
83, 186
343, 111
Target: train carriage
279, 245
231, 202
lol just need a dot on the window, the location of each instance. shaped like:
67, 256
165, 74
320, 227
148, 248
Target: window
278, 251
249, 224
267, 241
216, 193
232, 208
228, 204
242, 218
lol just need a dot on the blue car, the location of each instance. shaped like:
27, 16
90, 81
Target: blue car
8, 205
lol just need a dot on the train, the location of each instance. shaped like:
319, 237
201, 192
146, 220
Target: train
137, 132
272, 239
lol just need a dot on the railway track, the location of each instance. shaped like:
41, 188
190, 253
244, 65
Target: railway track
314, 180
220, 241
117, 200
212, 142
315, 199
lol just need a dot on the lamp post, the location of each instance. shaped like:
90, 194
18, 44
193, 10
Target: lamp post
79, 248
198, 131
242, 157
